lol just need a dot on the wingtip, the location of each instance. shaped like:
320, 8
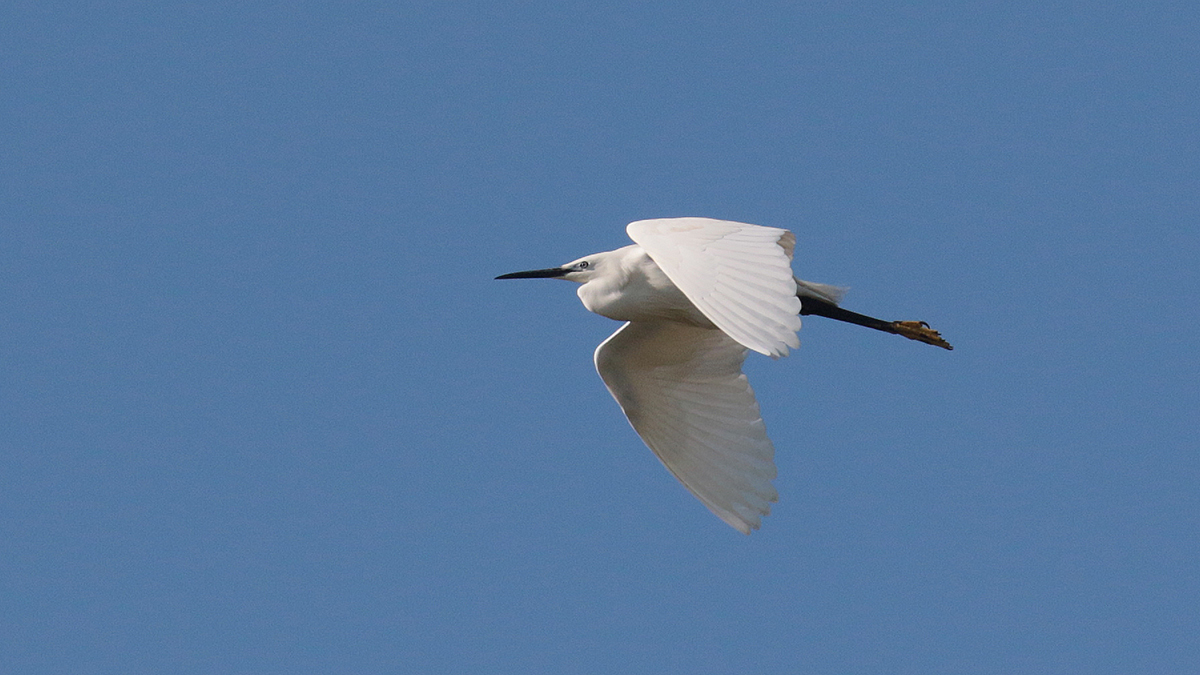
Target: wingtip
742, 526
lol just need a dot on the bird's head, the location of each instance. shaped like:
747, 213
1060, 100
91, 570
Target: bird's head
580, 271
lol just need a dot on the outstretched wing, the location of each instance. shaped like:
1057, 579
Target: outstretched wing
738, 275
683, 390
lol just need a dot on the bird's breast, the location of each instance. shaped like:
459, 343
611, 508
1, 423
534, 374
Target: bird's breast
641, 293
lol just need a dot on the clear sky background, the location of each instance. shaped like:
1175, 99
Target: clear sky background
264, 410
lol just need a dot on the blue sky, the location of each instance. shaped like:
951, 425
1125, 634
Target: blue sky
263, 409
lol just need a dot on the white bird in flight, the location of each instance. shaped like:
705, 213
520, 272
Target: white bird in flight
696, 295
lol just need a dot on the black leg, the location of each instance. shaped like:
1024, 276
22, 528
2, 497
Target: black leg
913, 330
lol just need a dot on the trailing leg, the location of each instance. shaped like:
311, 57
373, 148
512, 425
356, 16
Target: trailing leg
913, 330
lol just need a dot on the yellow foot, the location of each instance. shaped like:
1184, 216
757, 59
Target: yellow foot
920, 331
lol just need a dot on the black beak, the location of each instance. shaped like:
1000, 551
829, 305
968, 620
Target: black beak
537, 274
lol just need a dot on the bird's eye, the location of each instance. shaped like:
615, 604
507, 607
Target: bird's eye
583, 265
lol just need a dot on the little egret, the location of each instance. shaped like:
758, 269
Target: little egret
697, 294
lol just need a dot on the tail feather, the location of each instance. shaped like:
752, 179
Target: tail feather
831, 294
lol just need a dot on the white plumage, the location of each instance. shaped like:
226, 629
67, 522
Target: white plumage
696, 294
739, 276
683, 390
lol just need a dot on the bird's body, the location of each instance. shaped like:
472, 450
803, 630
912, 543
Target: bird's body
637, 290
697, 294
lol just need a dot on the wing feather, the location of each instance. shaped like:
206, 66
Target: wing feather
684, 393
738, 275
